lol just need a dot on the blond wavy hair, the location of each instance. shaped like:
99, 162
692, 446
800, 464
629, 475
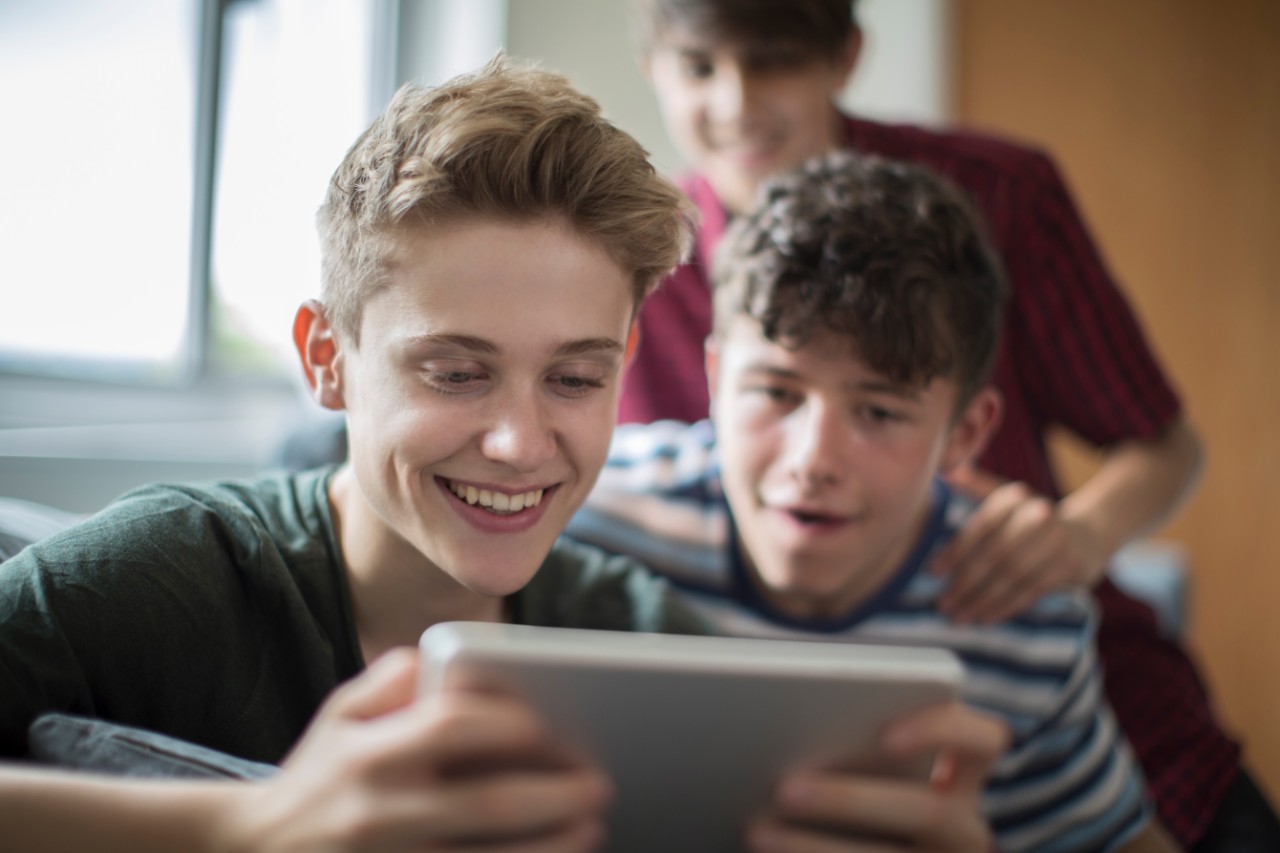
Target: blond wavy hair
508, 143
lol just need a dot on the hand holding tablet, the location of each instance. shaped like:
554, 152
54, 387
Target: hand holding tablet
695, 732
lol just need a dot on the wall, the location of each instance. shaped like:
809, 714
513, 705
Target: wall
1165, 115
589, 40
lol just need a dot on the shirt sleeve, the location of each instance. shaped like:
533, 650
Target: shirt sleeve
1081, 356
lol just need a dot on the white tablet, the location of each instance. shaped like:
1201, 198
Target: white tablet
694, 731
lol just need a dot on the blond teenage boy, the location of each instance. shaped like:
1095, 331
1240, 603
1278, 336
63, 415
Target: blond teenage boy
485, 247
857, 312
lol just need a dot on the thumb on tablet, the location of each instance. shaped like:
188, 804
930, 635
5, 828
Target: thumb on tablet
967, 743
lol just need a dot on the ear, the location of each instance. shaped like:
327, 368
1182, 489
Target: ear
320, 353
711, 362
973, 429
633, 344
847, 59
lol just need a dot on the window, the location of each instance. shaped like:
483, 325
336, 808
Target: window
98, 164
162, 161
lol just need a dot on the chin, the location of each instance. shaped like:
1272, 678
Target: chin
497, 584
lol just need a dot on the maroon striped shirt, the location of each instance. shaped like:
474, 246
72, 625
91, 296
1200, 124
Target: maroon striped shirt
1072, 356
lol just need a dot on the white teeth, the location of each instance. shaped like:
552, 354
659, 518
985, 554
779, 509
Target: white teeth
496, 502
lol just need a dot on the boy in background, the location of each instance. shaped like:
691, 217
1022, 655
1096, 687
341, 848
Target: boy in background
857, 314
747, 89
485, 247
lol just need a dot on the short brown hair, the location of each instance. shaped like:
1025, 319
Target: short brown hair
504, 143
888, 255
818, 27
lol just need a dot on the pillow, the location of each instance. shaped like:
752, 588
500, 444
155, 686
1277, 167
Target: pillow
81, 743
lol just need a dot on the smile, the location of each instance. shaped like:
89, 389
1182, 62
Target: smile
814, 519
498, 503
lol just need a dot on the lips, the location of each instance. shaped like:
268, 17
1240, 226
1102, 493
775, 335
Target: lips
805, 517
811, 519
755, 149
749, 156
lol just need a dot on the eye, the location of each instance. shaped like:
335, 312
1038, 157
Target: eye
774, 394
880, 414
696, 67
575, 384
445, 380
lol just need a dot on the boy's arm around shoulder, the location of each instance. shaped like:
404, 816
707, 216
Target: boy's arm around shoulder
1019, 545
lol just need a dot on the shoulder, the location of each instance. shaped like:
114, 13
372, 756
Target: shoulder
583, 586
664, 464
178, 530
665, 452
659, 498
972, 159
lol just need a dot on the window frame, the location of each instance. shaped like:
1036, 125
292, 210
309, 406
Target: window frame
65, 409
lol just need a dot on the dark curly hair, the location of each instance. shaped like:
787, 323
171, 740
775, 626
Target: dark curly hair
886, 254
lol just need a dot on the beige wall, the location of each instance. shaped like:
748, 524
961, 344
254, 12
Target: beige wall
590, 41
1165, 116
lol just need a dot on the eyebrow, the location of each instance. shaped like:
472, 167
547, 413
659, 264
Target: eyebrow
582, 346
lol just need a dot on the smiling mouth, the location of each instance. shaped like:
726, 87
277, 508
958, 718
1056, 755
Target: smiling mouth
750, 150
497, 503
813, 519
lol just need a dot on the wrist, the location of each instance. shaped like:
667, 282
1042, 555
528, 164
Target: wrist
1093, 542
231, 818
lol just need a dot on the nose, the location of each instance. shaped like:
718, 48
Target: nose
735, 95
818, 444
521, 433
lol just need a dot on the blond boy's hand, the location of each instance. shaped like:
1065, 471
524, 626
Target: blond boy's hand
378, 770
831, 812
1016, 547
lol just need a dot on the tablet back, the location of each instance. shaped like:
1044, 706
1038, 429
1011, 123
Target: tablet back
695, 730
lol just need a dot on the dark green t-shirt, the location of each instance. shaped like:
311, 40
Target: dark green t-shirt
221, 614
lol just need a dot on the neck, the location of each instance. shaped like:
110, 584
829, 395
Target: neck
396, 592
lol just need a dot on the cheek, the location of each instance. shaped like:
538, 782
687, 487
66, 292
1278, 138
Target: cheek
686, 122
745, 462
901, 474
686, 113
587, 431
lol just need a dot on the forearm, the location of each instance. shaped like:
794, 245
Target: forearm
54, 810
1138, 487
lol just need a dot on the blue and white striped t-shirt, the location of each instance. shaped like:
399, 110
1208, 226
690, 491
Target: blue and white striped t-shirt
1069, 782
